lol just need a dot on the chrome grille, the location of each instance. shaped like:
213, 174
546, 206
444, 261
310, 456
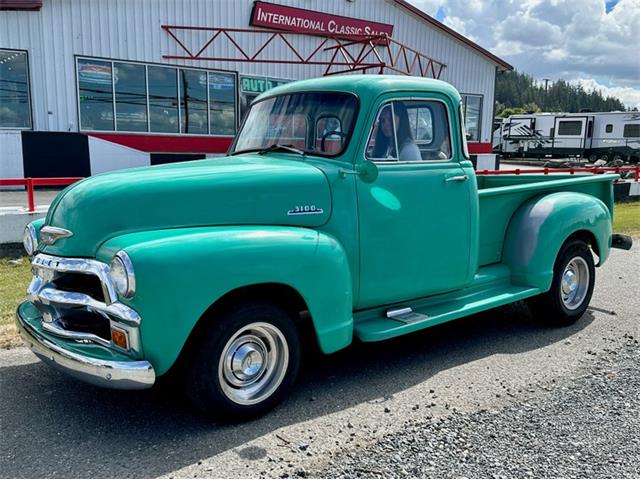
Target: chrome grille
78, 302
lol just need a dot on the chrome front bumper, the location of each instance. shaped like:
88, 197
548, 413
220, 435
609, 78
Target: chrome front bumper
126, 375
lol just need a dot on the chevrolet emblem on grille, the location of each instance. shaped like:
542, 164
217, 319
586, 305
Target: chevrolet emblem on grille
50, 235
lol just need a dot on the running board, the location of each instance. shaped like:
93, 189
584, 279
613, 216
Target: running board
388, 322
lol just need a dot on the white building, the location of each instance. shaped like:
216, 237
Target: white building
94, 85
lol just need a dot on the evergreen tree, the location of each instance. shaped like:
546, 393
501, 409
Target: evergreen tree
520, 93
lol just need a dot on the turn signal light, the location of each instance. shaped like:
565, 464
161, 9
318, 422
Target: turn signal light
119, 338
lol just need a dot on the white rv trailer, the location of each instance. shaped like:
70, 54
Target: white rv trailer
607, 136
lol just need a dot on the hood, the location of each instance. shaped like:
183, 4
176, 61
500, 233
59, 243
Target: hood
240, 190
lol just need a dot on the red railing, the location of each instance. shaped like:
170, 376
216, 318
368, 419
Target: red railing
546, 171
37, 182
30, 183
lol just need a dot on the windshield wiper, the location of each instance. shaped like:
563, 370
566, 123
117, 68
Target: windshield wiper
280, 146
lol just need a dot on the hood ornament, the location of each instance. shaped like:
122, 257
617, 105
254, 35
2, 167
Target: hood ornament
50, 235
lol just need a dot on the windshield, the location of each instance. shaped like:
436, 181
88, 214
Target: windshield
319, 123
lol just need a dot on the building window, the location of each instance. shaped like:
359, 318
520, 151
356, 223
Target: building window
130, 85
163, 99
222, 103
15, 101
608, 128
135, 97
472, 110
193, 101
570, 127
631, 130
95, 85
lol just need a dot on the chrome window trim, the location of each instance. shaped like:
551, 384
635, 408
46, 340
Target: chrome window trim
412, 162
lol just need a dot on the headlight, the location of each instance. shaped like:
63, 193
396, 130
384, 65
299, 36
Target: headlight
122, 276
30, 239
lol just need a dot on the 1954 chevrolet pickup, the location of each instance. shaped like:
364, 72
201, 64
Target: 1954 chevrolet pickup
346, 207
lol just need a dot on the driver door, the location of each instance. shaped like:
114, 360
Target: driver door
414, 219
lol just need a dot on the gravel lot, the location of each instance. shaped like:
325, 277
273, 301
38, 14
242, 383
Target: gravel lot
545, 394
589, 427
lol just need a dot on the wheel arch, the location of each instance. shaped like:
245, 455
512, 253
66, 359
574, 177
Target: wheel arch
540, 227
278, 294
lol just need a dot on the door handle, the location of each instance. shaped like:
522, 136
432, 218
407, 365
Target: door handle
457, 178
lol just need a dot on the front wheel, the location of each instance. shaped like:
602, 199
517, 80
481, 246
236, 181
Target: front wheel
245, 362
571, 289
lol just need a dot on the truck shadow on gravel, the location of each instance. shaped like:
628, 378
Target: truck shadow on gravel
53, 426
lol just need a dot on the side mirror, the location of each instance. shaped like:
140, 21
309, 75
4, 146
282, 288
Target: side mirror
367, 171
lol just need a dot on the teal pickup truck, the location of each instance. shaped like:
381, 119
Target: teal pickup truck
347, 208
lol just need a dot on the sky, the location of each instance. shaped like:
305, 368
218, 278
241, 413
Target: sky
595, 43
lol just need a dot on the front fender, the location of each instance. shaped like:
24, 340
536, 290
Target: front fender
180, 273
541, 225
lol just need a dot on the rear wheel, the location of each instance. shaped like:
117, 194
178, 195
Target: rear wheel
571, 288
246, 361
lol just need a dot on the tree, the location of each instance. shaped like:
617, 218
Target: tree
521, 93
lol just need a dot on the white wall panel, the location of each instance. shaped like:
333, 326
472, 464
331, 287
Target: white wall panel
130, 30
105, 156
11, 165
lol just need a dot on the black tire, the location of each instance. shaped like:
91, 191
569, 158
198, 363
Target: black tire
556, 307
256, 326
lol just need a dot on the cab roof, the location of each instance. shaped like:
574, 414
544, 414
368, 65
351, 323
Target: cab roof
366, 86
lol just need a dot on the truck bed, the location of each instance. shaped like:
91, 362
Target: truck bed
501, 195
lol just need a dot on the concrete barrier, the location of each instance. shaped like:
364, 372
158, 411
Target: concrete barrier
14, 219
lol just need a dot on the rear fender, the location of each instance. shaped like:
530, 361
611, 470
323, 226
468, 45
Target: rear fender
180, 273
541, 225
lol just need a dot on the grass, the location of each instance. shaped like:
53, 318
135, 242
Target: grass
15, 274
626, 218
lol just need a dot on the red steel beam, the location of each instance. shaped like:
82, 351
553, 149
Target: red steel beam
351, 53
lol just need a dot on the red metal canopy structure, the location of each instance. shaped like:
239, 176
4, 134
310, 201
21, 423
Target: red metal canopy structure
340, 54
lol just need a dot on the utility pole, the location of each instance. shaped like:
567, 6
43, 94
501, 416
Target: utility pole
546, 94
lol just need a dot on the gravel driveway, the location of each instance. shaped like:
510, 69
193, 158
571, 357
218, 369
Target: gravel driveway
494, 394
588, 427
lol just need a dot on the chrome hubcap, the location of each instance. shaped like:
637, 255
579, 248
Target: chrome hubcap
575, 283
253, 363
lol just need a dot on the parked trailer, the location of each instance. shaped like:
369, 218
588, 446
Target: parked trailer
608, 136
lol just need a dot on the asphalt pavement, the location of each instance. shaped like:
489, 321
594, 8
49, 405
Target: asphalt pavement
343, 405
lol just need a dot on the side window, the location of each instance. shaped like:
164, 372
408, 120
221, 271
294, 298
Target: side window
631, 130
608, 128
570, 127
410, 131
382, 141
